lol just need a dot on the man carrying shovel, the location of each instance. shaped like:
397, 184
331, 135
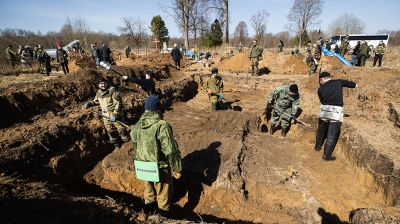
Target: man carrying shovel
110, 102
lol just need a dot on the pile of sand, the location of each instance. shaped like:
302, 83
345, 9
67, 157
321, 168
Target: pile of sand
238, 63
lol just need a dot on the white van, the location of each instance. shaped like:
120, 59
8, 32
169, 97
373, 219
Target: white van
372, 40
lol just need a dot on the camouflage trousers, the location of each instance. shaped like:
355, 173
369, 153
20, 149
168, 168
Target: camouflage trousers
285, 119
160, 192
254, 65
115, 131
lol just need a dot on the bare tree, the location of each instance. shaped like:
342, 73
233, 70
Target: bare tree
180, 10
241, 32
134, 30
304, 14
259, 23
198, 19
346, 24
80, 28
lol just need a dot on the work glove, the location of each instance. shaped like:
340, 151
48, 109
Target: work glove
177, 175
87, 105
113, 118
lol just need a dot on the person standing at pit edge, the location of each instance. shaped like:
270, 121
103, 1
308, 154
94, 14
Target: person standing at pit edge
214, 87
110, 102
176, 56
153, 141
331, 113
255, 56
62, 58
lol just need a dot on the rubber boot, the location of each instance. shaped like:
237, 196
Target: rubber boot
272, 129
150, 207
165, 214
332, 138
321, 134
124, 136
214, 106
284, 132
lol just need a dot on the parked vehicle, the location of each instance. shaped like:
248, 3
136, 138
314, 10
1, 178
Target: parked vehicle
372, 40
72, 45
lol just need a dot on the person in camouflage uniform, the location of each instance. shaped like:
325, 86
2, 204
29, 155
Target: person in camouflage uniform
284, 99
313, 61
343, 46
362, 53
11, 56
153, 141
110, 102
44, 60
214, 87
379, 52
255, 56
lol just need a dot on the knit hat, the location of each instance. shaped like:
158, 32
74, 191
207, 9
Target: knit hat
324, 74
214, 70
101, 79
152, 103
294, 89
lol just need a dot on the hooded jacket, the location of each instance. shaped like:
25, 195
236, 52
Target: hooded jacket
153, 141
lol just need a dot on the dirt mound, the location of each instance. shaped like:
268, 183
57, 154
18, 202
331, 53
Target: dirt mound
82, 62
273, 62
285, 64
237, 63
21, 101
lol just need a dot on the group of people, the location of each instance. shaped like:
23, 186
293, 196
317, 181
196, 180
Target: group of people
38, 55
151, 136
103, 53
156, 148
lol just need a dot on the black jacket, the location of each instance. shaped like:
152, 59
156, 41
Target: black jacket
176, 54
331, 93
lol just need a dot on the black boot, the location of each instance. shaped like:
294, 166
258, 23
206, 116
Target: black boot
272, 129
150, 207
332, 138
321, 134
284, 132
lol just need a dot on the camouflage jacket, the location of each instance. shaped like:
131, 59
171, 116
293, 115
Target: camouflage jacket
281, 98
153, 141
344, 45
10, 54
364, 49
215, 86
256, 52
380, 49
109, 100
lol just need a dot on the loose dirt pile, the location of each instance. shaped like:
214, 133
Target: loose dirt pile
284, 64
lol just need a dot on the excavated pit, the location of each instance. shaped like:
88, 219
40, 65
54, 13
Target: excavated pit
235, 172
232, 172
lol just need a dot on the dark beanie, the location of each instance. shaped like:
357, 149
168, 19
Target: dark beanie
101, 79
152, 103
294, 88
214, 70
324, 74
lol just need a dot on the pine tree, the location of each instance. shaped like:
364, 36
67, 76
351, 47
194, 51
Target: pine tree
214, 36
159, 30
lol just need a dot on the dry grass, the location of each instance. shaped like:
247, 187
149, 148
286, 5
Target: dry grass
392, 58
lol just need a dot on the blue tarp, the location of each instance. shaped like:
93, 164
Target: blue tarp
342, 59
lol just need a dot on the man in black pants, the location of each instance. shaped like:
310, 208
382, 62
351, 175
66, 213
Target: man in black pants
331, 113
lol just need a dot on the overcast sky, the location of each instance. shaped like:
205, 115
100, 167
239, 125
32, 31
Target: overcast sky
101, 15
